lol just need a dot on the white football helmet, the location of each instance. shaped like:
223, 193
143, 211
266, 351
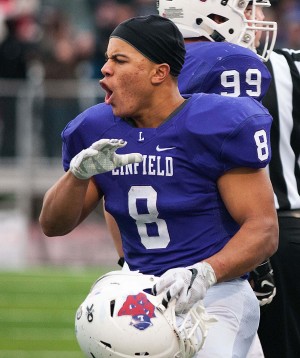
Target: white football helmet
121, 318
196, 18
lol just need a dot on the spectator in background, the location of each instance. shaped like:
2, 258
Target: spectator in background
18, 39
287, 15
107, 15
61, 50
291, 24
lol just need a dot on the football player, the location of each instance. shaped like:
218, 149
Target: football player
196, 206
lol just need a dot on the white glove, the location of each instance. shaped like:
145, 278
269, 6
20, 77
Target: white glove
100, 157
188, 285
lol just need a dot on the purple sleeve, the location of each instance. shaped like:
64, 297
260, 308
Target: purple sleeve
249, 145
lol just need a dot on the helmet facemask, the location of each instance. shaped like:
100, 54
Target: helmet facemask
268, 30
220, 20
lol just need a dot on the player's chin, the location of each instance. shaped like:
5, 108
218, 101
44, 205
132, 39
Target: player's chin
118, 111
124, 108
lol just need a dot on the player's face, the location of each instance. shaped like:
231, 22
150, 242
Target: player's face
127, 79
259, 16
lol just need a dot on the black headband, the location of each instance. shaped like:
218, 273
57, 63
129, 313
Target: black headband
156, 37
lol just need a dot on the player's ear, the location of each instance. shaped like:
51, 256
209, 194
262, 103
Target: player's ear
160, 73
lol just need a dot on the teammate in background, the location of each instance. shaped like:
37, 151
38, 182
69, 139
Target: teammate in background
282, 100
198, 211
215, 64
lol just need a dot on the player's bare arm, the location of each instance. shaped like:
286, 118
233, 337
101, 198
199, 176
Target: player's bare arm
67, 203
257, 238
75, 195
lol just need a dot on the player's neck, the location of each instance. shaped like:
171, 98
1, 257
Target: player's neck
157, 114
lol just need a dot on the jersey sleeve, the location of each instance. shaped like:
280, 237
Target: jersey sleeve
249, 144
227, 133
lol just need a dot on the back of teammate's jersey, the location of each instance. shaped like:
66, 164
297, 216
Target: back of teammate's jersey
223, 68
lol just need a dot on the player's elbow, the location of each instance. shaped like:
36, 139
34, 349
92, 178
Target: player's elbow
52, 229
50, 232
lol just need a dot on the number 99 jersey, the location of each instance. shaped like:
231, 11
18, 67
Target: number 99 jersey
225, 69
168, 207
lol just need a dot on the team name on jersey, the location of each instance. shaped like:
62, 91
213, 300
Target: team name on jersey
151, 165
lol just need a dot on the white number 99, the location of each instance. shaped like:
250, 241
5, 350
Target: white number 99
231, 79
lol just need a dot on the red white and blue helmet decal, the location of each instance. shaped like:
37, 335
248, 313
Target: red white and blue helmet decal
140, 309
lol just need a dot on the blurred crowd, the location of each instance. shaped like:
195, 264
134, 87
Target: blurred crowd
287, 15
63, 34
68, 39
60, 34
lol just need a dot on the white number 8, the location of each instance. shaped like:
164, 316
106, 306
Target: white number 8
261, 141
150, 196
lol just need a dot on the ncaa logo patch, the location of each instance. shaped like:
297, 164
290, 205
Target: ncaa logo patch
140, 309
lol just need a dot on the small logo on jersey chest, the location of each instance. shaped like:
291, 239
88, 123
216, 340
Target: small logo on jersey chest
141, 137
159, 149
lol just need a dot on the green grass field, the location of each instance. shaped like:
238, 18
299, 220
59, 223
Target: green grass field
37, 311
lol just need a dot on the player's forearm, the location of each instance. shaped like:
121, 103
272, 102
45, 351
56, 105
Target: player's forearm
255, 242
62, 206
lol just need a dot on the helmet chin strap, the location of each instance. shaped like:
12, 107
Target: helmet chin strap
206, 25
214, 34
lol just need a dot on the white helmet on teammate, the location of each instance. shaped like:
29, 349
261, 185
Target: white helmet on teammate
121, 318
196, 18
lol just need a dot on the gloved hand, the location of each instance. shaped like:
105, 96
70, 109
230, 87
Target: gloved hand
188, 285
100, 157
263, 284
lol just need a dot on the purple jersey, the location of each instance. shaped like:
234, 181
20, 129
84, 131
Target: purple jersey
223, 68
168, 207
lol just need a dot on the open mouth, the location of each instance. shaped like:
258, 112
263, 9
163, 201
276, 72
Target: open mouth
108, 91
